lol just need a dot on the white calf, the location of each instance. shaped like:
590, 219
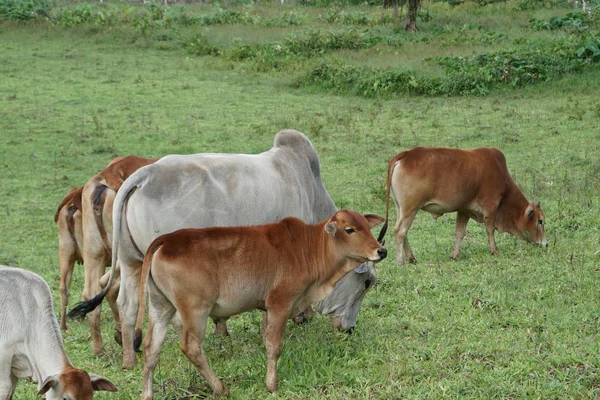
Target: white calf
31, 344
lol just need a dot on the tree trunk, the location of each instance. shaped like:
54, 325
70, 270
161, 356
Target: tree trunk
413, 7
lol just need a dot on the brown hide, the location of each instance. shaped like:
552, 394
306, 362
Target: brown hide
120, 169
281, 268
70, 243
473, 183
82, 214
97, 201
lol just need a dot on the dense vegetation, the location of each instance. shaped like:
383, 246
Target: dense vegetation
83, 83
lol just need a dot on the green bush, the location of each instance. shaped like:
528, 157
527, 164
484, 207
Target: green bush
24, 10
575, 21
198, 45
288, 18
336, 15
374, 82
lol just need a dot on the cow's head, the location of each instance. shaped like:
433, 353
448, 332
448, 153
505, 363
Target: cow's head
532, 224
351, 236
74, 384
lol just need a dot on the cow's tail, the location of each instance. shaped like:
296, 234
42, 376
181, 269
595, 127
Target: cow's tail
71, 196
82, 308
388, 184
144, 276
98, 201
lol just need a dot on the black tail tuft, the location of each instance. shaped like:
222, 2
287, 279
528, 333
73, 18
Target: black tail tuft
82, 308
137, 342
382, 233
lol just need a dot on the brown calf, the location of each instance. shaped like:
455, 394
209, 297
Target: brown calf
70, 243
473, 183
84, 220
97, 203
281, 268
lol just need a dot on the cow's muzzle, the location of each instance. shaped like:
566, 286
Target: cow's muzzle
382, 253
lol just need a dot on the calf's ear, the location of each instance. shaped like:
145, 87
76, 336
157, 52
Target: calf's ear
374, 220
49, 383
529, 211
101, 383
331, 228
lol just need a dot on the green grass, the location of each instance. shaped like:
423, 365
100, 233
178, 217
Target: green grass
522, 324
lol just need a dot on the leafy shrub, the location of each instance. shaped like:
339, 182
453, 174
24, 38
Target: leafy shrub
24, 10
199, 46
575, 21
339, 3
335, 15
222, 16
375, 82
537, 4
510, 67
288, 18
589, 50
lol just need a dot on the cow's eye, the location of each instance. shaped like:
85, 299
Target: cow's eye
541, 222
349, 230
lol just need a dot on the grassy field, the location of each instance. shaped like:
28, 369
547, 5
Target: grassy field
522, 324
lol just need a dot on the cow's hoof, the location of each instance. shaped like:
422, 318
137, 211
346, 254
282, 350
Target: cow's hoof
129, 364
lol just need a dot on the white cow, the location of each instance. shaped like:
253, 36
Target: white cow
31, 344
204, 190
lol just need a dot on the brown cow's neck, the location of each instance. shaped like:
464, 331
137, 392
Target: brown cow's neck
510, 210
326, 267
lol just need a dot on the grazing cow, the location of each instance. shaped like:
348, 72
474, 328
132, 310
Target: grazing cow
206, 190
343, 304
280, 268
70, 244
31, 344
473, 183
97, 203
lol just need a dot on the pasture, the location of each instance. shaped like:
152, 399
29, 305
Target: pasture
522, 324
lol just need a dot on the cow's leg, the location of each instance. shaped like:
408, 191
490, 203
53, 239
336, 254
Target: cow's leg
276, 320
490, 225
66, 264
221, 326
160, 312
128, 302
94, 263
194, 328
111, 297
7, 379
403, 223
462, 219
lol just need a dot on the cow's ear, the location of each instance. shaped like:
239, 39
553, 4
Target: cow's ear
529, 211
101, 383
374, 220
49, 383
537, 204
331, 228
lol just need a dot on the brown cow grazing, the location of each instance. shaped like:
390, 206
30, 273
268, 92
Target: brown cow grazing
70, 244
281, 268
473, 183
98, 196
